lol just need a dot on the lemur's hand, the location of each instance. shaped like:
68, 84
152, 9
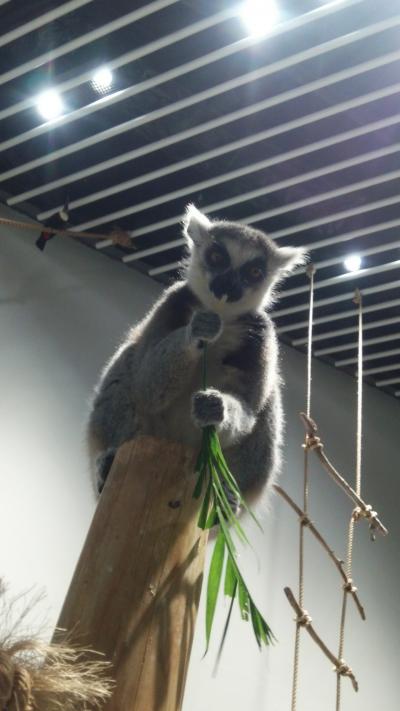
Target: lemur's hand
208, 407
205, 326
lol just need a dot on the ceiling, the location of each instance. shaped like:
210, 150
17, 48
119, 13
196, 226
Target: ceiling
296, 132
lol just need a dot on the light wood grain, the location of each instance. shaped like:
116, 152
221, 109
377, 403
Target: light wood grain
136, 588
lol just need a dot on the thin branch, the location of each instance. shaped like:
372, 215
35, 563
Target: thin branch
304, 620
363, 510
348, 583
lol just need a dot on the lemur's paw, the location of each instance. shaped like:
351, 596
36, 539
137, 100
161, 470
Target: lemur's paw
205, 326
208, 407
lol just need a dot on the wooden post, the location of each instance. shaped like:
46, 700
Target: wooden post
136, 588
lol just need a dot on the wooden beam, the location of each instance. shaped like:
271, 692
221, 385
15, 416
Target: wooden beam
136, 588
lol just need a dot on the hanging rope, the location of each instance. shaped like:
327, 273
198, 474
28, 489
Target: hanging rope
116, 235
355, 515
304, 519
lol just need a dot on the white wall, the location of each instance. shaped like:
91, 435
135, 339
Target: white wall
62, 313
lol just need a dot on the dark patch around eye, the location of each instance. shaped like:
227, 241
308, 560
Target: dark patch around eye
253, 271
217, 257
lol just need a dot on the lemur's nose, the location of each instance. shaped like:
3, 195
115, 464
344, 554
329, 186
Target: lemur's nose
227, 284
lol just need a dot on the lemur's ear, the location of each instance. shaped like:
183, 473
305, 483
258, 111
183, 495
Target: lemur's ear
195, 225
288, 258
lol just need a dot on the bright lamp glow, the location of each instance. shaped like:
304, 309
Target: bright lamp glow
49, 104
353, 262
259, 16
102, 80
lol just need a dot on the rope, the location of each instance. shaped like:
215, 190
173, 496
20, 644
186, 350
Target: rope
356, 514
117, 236
302, 620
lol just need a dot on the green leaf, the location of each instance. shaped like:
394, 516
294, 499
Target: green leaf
212, 518
225, 632
223, 502
227, 536
214, 580
230, 584
243, 597
203, 515
262, 631
200, 481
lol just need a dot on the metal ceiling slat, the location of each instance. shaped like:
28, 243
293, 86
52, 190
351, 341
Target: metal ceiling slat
348, 296
388, 381
211, 182
103, 31
260, 192
360, 274
131, 56
341, 316
377, 204
386, 247
38, 22
244, 142
344, 331
382, 369
170, 140
209, 125
330, 241
368, 356
206, 60
160, 270
352, 345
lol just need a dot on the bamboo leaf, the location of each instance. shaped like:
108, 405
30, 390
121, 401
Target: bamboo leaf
262, 631
222, 466
243, 597
230, 583
227, 512
200, 481
214, 579
224, 633
227, 536
203, 515
212, 518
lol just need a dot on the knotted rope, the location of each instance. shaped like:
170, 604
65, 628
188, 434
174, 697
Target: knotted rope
304, 521
358, 512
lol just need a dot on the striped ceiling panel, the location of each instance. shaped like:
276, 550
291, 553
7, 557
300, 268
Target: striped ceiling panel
288, 120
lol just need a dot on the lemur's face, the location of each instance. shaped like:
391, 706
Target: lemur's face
232, 268
231, 273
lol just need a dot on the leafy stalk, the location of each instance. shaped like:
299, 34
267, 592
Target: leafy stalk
214, 482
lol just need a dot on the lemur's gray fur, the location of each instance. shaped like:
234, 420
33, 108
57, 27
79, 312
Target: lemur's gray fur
152, 385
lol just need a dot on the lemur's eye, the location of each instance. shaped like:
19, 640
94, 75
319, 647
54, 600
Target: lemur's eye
256, 273
253, 272
217, 257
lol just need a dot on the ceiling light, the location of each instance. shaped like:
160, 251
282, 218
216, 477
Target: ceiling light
353, 262
49, 104
259, 16
102, 80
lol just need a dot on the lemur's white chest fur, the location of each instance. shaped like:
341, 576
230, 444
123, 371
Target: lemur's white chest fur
176, 423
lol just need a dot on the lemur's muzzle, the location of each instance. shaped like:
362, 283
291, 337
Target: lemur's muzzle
227, 284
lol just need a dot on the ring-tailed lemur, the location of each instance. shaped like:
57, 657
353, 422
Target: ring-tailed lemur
152, 385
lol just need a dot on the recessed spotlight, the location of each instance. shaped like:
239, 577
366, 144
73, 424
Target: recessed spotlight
259, 16
353, 262
102, 80
49, 104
